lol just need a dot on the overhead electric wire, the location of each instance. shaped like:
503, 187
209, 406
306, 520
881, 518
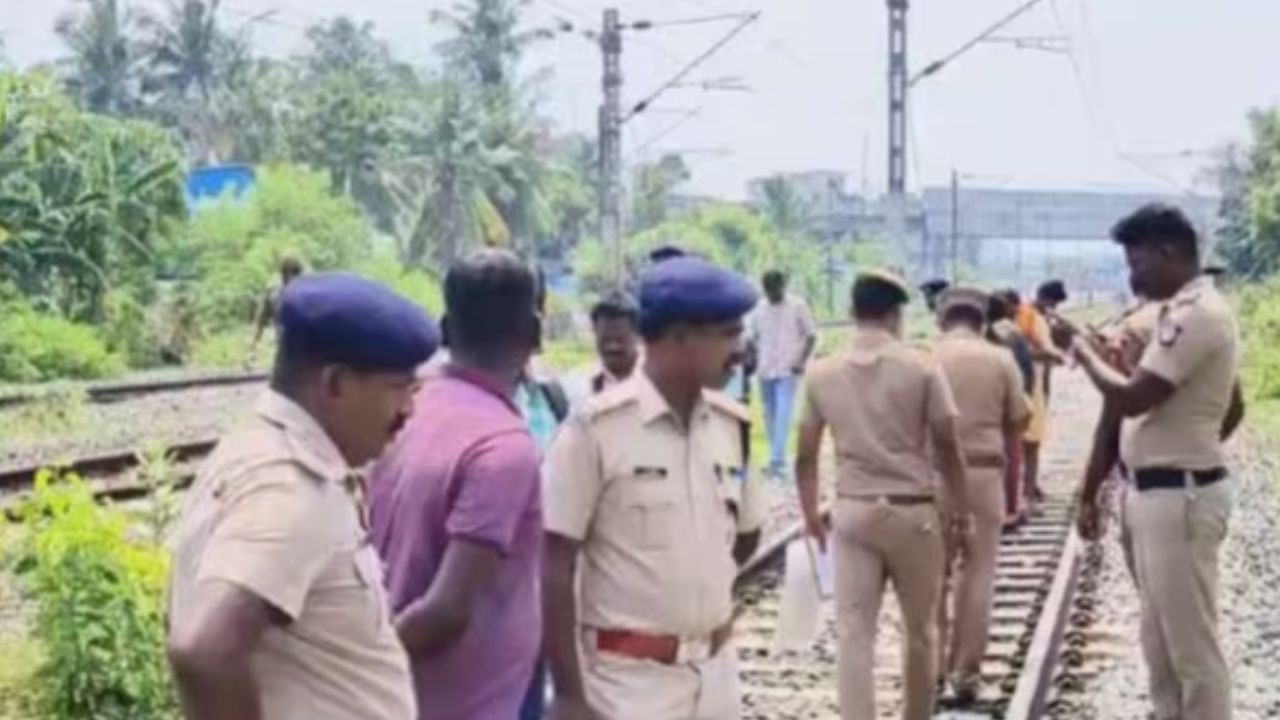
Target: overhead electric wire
699, 20
667, 131
691, 66
937, 65
1100, 125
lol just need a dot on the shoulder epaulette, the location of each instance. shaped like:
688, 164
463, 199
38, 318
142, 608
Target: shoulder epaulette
727, 405
612, 399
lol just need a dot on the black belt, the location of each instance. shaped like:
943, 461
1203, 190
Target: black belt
1161, 477
892, 499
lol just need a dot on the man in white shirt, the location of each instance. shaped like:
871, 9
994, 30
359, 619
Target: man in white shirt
782, 337
614, 323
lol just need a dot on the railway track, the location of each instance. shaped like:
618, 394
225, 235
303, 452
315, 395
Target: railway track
110, 392
109, 474
1037, 573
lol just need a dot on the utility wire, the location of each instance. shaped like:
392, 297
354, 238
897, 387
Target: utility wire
691, 66
568, 9
667, 131
697, 20
937, 65
1099, 124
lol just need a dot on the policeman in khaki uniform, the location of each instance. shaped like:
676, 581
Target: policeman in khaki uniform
1178, 405
642, 484
987, 387
277, 610
886, 403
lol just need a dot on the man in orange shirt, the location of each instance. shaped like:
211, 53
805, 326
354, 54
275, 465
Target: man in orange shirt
1033, 322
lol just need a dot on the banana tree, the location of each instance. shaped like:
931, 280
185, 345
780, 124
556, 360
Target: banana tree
85, 200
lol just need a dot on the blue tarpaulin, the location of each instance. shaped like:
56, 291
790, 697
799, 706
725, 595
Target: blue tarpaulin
209, 183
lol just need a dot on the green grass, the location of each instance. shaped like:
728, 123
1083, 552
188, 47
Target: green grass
564, 355
59, 411
19, 658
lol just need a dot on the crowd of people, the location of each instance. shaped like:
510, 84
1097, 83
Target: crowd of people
416, 523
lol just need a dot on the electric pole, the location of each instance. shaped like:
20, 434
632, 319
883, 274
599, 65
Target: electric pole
897, 97
896, 212
610, 122
955, 224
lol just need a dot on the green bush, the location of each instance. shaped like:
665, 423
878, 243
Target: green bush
129, 330
35, 347
99, 615
230, 350
1259, 307
567, 355
236, 247
417, 285
19, 658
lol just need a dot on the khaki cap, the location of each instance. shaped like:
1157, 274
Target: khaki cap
887, 277
963, 297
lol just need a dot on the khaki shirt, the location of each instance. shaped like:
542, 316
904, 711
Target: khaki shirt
880, 398
987, 387
276, 511
648, 499
1196, 349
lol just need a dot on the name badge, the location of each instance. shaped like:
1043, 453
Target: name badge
645, 472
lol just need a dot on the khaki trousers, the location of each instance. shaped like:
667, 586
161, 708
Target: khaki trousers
974, 575
1171, 540
623, 688
875, 542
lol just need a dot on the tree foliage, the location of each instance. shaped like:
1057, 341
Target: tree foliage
653, 185
235, 248
103, 67
1249, 178
86, 201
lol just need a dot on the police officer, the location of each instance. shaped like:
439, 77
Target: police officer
1178, 405
276, 603
932, 290
987, 387
290, 269
642, 483
886, 403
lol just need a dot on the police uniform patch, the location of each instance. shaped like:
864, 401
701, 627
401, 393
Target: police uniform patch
1169, 333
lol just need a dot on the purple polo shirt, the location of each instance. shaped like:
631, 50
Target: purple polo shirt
465, 467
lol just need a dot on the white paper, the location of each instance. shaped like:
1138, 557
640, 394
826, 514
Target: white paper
805, 584
823, 569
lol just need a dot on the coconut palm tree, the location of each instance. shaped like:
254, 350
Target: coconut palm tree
103, 68
192, 59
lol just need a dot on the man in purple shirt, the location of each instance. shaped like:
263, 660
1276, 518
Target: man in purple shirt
456, 511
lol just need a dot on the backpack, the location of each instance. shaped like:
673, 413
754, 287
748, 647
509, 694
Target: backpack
556, 397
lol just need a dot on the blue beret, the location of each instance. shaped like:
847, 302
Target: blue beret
689, 289
345, 319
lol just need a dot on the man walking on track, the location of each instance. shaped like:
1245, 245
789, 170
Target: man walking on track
1178, 405
456, 510
276, 606
645, 483
782, 338
886, 404
987, 388
1033, 322
1003, 332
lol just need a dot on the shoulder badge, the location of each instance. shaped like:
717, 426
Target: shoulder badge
610, 400
1168, 332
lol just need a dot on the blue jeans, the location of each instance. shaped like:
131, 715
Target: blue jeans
779, 395
535, 698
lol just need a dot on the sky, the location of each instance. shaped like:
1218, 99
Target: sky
1143, 90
